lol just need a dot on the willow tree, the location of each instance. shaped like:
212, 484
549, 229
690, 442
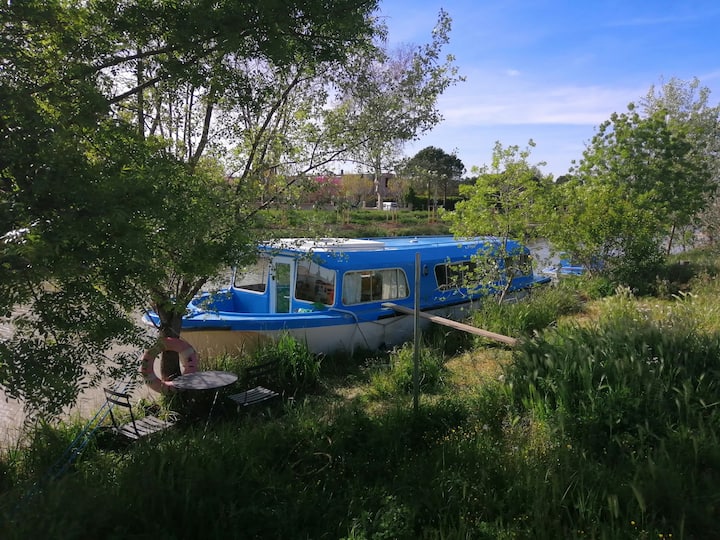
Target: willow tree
113, 192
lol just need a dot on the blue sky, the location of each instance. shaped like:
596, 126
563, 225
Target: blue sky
552, 71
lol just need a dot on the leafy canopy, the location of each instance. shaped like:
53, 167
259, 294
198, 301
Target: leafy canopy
638, 178
107, 195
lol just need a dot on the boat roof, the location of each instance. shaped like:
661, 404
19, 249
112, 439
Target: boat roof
319, 245
398, 249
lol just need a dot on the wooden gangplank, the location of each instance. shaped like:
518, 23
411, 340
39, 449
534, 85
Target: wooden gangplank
454, 324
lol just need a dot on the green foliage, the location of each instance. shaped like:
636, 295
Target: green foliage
638, 181
362, 223
635, 391
397, 91
299, 369
614, 421
396, 378
111, 195
526, 316
616, 424
434, 173
502, 202
588, 286
686, 108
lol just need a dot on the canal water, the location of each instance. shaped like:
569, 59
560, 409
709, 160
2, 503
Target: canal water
13, 415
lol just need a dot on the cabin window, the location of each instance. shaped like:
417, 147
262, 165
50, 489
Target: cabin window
456, 275
374, 286
253, 277
314, 283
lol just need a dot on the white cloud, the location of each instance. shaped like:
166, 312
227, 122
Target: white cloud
507, 104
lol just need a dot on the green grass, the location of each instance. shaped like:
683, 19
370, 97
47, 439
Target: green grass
603, 423
361, 223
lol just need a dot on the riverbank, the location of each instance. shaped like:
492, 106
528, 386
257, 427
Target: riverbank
599, 427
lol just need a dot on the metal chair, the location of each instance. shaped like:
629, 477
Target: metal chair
136, 428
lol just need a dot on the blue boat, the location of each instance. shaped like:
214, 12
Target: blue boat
567, 267
564, 268
330, 293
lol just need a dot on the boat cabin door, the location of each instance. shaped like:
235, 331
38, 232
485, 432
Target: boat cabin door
280, 285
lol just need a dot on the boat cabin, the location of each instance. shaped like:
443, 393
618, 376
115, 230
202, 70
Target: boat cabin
303, 276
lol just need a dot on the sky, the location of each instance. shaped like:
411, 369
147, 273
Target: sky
553, 71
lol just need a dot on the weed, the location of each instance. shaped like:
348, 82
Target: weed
398, 376
299, 369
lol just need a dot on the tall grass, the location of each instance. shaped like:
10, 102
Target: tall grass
607, 429
523, 318
397, 377
638, 396
298, 368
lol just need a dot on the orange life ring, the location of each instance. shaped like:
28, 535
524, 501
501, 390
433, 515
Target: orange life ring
188, 361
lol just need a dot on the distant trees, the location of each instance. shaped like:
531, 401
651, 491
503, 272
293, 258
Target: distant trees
433, 171
388, 99
357, 188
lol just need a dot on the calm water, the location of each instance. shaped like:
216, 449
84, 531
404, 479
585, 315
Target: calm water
12, 412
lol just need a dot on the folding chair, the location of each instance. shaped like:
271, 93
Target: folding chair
136, 428
258, 394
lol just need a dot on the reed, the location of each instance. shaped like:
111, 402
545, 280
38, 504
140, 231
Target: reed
524, 318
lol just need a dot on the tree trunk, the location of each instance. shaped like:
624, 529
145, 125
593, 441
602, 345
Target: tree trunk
670, 240
170, 324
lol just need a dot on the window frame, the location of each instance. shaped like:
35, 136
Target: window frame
372, 274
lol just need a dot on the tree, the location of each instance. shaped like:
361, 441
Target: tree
433, 170
357, 189
503, 202
387, 99
687, 112
638, 177
112, 189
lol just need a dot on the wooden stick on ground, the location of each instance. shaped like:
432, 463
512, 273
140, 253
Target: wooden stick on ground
454, 324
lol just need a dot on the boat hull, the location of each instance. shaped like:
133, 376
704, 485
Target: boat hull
346, 336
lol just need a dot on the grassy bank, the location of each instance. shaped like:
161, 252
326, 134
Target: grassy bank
359, 223
603, 423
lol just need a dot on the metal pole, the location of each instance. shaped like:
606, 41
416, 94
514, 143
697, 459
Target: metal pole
416, 328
